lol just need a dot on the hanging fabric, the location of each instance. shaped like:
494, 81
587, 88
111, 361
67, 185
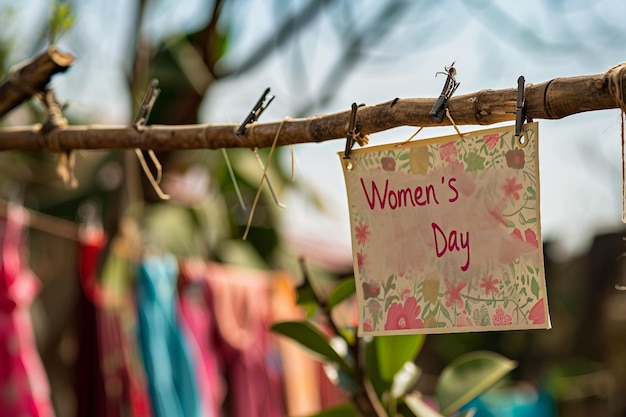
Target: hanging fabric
241, 300
24, 388
119, 383
165, 353
201, 333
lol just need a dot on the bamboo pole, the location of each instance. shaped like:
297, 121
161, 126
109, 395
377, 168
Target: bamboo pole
554, 99
31, 77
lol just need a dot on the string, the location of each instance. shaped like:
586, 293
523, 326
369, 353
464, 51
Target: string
410, 137
258, 192
153, 181
45, 223
267, 179
293, 163
157, 165
65, 169
615, 80
461, 135
233, 179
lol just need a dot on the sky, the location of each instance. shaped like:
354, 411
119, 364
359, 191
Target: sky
491, 43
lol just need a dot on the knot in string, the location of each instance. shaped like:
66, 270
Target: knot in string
615, 81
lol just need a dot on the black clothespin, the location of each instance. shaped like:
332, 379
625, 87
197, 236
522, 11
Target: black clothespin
256, 111
146, 105
521, 115
439, 108
354, 130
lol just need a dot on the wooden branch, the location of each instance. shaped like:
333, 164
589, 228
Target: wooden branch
553, 99
31, 78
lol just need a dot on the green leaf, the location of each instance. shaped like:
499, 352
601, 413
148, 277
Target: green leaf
534, 287
403, 156
419, 407
311, 338
305, 294
60, 21
468, 376
342, 291
394, 351
344, 410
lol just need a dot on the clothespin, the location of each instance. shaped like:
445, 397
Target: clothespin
354, 130
438, 110
521, 115
256, 111
146, 105
140, 120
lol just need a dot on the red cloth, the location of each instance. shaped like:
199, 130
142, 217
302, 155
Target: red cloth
24, 389
117, 387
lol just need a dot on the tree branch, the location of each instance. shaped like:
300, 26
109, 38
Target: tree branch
31, 78
554, 99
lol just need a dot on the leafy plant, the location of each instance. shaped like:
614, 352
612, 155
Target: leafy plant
60, 21
379, 372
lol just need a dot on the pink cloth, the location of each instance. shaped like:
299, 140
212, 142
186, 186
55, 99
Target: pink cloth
241, 303
200, 331
24, 389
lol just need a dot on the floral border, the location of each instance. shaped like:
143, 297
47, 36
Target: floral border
511, 295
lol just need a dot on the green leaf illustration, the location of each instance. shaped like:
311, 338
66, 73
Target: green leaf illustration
534, 287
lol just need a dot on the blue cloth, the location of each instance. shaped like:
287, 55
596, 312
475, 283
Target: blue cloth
166, 356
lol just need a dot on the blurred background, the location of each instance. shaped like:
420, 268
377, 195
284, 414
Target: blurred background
213, 59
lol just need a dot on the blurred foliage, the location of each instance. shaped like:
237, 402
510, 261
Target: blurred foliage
60, 21
388, 365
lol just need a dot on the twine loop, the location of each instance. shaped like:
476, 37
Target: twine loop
615, 81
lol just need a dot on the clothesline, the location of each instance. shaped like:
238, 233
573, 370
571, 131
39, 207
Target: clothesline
553, 99
45, 223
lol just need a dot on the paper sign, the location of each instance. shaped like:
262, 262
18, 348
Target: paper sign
446, 235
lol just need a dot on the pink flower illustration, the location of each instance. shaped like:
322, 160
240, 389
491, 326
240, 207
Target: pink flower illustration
360, 260
531, 237
537, 312
463, 320
511, 188
453, 294
501, 318
489, 284
404, 316
448, 151
367, 325
491, 140
362, 232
